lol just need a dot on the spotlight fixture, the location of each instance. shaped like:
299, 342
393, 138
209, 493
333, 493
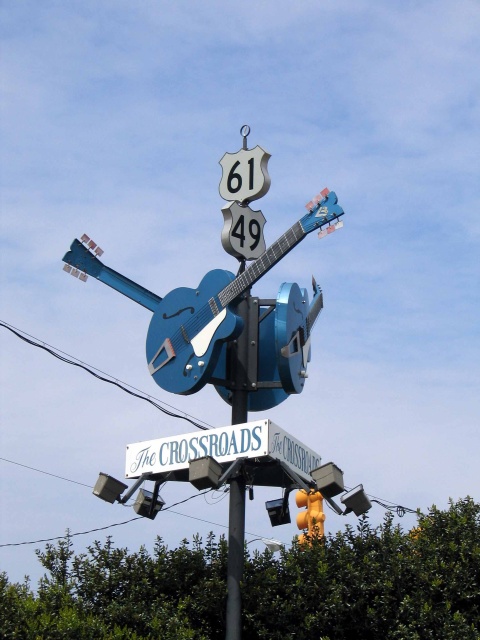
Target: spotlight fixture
329, 479
278, 512
204, 473
108, 488
357, 501
143, 504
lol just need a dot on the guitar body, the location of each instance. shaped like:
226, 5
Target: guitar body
184, 338
290, 320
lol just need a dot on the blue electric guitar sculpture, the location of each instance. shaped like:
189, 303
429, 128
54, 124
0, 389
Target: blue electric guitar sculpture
189, 326
293, 326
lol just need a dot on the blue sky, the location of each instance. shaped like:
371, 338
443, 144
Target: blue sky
115, 115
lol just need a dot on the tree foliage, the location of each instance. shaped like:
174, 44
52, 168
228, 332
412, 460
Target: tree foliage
370, 583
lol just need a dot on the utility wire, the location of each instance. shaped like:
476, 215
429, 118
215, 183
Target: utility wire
109, 526
119, 524
400, 511
65, 357
46, 473
70, 535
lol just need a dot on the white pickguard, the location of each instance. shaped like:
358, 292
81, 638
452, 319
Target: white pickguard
202, 340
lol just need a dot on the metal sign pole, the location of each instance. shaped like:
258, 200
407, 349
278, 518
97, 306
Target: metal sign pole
173, 336
236, 522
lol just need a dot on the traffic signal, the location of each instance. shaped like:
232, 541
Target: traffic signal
312, 518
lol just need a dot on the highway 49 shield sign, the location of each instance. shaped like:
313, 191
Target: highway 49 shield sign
242, 233
244, 175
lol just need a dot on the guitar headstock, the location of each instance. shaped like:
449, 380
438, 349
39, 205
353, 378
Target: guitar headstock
322, 210
82, 258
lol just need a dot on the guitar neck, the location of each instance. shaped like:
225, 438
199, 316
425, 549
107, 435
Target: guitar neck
264, 263
316, 307
131, 289
81, 258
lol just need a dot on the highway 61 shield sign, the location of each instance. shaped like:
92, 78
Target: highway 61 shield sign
244, 175
242, 234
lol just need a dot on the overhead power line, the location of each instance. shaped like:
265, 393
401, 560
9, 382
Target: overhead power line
82, 484
109, 526
119, 524
399, 510
70, 535
133, 391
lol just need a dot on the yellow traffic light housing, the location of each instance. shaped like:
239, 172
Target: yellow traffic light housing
312, 518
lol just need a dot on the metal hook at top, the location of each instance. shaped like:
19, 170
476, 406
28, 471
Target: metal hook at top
244, 132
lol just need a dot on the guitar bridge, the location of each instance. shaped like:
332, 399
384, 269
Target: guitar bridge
169, 354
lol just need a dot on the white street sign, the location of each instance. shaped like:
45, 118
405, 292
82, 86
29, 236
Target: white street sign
242, 234
244, 175
260, 442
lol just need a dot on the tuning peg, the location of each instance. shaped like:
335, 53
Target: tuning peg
91, 244
324, 232
330, 229
76, 273
321, 196
318, 198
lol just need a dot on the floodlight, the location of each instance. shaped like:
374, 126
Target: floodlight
357, 501
329, 479
143, 503
278, 512
108, 488
204, 473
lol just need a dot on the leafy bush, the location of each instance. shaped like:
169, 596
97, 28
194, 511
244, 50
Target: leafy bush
370, 583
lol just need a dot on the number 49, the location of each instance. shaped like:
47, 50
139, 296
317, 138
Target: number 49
254, 232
